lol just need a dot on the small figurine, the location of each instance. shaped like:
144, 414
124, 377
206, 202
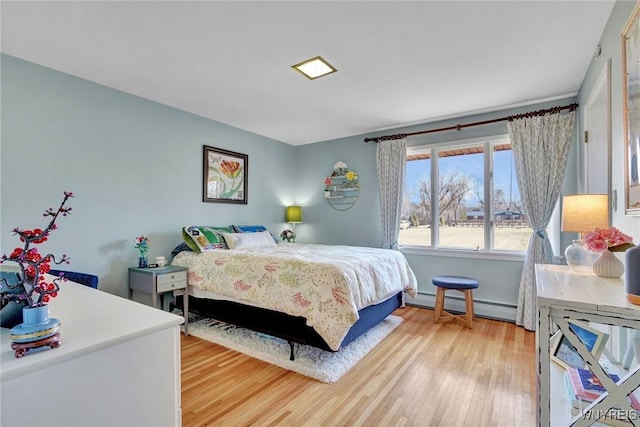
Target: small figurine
288, 235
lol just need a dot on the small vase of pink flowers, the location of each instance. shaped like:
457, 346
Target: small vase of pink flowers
606, 241
142, 245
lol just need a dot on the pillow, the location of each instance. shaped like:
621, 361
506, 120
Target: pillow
248, 228
252, 229
204, 238
181, 248
248, 240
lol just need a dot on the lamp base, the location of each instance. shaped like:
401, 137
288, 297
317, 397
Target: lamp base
579, 258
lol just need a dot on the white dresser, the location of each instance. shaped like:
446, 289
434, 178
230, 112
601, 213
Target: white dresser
118, 365
564, 295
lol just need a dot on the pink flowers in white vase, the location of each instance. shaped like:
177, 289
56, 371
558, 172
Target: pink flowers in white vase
611, 239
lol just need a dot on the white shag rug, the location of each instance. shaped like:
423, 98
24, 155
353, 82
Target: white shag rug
310, 361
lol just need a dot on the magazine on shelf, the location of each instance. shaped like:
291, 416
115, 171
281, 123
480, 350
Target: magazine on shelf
614, 416
585, 385
583, 388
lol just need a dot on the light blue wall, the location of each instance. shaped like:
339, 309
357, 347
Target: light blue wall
135, 167
359, 225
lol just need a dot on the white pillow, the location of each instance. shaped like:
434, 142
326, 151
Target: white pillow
248, 240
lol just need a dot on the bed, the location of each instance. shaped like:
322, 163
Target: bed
319, 295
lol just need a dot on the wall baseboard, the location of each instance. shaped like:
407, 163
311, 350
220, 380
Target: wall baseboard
454, 304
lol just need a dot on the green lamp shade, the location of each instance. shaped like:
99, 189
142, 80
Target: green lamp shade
294, 214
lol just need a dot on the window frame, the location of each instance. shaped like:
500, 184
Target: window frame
488, 251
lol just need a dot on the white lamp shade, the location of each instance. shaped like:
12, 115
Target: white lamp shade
582, 213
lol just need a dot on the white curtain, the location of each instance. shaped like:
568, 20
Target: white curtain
392, 162
541, 149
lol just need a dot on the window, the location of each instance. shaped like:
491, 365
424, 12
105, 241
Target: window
464, 195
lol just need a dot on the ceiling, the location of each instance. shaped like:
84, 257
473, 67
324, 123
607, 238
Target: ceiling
399, 63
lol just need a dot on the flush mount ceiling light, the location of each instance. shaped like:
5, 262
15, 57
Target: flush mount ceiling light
314, 68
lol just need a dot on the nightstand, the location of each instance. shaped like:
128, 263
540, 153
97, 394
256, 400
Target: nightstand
158, 281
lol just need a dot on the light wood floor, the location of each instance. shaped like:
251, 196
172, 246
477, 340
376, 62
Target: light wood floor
421, 375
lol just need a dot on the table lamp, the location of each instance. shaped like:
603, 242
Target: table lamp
582, 213
294, 216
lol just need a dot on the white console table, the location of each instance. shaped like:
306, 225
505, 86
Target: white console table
118, 365
564, 295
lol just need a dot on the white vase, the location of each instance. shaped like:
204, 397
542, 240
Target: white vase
608, 265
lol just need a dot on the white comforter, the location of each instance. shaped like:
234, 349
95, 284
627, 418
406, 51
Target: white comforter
325, 284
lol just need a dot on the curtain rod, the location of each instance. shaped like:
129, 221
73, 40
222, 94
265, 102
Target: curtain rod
552, 110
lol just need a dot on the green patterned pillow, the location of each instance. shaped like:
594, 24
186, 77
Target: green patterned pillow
204, 238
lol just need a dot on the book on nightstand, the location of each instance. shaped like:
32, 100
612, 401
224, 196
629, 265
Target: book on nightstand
583, 388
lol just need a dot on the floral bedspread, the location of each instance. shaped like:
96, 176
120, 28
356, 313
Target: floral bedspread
326, 284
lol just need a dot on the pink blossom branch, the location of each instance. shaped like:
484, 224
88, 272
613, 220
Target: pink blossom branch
33, 266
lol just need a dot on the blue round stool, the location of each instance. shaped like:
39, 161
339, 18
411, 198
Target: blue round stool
466, 285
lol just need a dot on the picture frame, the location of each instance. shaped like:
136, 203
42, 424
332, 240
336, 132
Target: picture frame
631, 110
225, 176
565, 354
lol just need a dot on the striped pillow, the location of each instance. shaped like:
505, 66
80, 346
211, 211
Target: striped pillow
249, 228
205, 238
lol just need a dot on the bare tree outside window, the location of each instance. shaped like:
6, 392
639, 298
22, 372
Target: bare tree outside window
463, 185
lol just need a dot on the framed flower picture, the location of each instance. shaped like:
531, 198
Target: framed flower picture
225, 175
631, 99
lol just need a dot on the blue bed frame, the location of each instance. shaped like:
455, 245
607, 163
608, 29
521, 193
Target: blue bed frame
290, 328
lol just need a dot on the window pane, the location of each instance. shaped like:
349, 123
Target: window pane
461, 198
511, 230
415, 224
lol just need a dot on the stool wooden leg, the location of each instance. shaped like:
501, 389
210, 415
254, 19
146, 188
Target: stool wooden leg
440, 315
437, 314
468, 300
